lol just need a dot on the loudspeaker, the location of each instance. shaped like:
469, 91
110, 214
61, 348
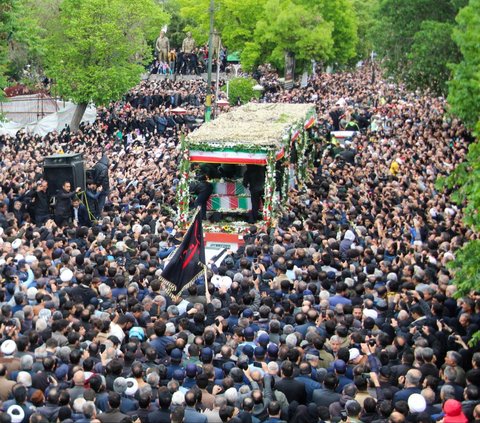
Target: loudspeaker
60, 168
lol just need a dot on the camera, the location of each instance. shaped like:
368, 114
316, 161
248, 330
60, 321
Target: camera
372, 342
343, 415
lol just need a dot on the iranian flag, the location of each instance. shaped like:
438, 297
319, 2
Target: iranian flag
310, 122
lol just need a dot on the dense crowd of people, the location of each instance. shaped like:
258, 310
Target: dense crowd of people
344, 311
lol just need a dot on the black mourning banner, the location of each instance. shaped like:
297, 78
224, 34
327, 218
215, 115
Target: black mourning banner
187, 264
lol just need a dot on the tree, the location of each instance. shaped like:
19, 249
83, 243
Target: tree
345, 37
6, 20
365, 12
432, 50
99, 49
178, 24
464, 94
235, 20
263, 30
289, 27
464, 99
34, 20
397, 23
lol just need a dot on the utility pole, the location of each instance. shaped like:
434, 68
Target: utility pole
208, 100
217, 80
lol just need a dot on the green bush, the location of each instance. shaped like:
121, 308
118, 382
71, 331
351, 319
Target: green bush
241, 88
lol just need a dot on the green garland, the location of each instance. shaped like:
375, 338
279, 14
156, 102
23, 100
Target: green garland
302, 159
183, 189
270, 192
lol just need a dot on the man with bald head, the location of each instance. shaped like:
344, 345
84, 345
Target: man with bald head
411, 385
78, 389
396, 417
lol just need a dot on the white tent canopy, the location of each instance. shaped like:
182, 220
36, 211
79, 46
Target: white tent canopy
56, 121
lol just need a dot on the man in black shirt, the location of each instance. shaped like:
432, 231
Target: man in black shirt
63, 206
41, 204
293, 389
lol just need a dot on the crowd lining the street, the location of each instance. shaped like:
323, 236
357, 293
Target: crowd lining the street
344, 311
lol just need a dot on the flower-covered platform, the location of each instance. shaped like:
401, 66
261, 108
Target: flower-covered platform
254, 134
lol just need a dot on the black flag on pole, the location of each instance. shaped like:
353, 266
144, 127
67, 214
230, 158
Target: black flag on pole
187, 263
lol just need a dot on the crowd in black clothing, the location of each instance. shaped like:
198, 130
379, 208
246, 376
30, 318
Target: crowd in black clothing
344, 311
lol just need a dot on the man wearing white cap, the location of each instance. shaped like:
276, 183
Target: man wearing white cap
19, 408
416, 403
8, 349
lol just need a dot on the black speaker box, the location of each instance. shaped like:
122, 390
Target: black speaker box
60, 168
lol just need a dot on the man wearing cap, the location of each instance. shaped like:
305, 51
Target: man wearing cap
191, 371
259, 359
176, 356
248, 313
249, 335
340, 368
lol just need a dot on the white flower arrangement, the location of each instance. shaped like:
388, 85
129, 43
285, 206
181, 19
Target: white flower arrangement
255, 124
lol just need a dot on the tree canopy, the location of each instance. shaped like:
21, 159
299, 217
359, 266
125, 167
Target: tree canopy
405, 34
235, 20
6, 20
464, 99
99, 48
265, 29
291, 27
464, 95
432, 50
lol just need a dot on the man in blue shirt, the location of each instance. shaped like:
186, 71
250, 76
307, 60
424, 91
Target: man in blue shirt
161, 341
191, 414
341, 295
411, 386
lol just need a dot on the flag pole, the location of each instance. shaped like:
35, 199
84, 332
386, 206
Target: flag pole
205, 272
